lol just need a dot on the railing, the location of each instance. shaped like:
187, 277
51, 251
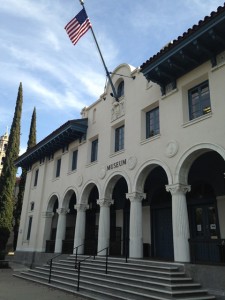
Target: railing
50, 266
106, 261
50, 262
78, 265
76, 254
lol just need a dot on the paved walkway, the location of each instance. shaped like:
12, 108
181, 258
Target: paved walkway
13, 288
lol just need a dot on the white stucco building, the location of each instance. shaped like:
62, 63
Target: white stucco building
144, 175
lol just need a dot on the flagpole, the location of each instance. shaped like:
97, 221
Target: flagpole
106, 70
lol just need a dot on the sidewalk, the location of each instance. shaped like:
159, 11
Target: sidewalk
13, 288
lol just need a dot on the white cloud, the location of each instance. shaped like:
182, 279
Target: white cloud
26, 9
59, 77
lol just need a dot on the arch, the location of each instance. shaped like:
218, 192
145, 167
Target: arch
123, 66
120, 87
123, 69
51, 202
67, 196
189, 156
86, 191
111, 182
145, 169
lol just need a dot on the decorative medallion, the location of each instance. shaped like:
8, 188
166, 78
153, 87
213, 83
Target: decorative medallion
132, 162
80, 180
102, 173
171, 149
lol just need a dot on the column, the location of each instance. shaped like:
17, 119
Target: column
61, 229
181, 232
47, 216
79, 235
104, 224
136, 235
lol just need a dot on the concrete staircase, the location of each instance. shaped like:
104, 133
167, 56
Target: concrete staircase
136, 279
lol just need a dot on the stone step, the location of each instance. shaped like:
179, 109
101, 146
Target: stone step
136, 279
135, 269
109, 285
117, 280
126, 276
131, 263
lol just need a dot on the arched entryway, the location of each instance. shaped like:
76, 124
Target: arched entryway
69, 202
92, 221
52, 226
206, 178
119, 218
157, 207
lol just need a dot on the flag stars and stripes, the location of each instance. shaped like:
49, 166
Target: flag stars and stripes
78, 26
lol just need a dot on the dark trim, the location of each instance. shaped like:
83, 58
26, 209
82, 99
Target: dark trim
199, 44
58, 139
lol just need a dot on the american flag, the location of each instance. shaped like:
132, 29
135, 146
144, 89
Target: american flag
78, 26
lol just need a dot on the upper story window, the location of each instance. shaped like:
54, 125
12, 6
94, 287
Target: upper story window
199, 100
74, 160
58, 167
120, 89
32, 206
152, 122
94, 150
119, 138
36, 177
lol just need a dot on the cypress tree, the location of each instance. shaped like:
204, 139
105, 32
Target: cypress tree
18, 206
8, 177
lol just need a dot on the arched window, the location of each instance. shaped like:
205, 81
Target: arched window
120, 89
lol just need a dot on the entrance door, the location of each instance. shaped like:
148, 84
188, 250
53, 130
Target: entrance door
204, 233
162, 233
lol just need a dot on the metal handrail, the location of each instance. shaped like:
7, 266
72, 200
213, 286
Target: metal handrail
76, 253
106, 263
79, 264
49, 262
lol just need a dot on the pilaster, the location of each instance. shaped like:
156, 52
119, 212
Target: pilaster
181, 232
104, 224
136, 234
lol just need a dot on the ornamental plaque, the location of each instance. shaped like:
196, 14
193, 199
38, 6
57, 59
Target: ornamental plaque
171, 149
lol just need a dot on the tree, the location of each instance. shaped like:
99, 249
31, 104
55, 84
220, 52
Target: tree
19, 203
8, 177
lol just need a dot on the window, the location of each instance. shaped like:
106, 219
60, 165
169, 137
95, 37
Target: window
120, 89
152, 122
32, 206
58, 167
29, 227
74, 160
119, 138
36, 177
199, 101
94, 150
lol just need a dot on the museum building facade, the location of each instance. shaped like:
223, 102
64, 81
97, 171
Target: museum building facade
144, 175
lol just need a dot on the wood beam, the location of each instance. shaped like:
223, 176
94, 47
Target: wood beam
188, 57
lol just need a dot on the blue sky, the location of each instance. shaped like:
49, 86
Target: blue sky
59, 79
